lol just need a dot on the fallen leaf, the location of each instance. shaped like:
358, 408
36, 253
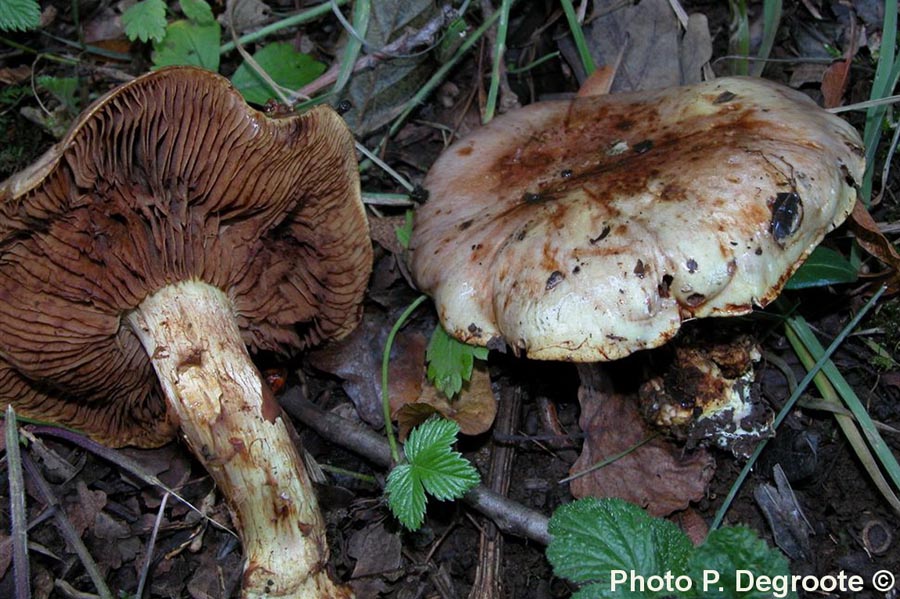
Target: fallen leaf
378, 94
376, 551
658, 475
14, 75
871, 239
473, 409
655, 51
82, 512
356, 360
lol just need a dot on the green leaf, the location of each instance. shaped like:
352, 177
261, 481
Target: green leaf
404, 233
145, 21
433, 467
283, 64
444, 472
189, 43
450, 362
19, 15
64, 89
823, 267
592, 537
197, 11
733, 552
406, 496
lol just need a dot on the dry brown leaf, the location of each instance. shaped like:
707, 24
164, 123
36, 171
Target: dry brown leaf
657, 476
357, 361
474, 409
14, 75
376, 550
83, 511
383, 230
871, 239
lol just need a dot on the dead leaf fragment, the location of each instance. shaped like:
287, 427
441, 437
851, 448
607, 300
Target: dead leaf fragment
655, 51
658, 475
357, 361
376, 550
872, 240
474, 409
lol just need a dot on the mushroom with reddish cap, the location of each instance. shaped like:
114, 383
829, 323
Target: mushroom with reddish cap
588, 229
173, 227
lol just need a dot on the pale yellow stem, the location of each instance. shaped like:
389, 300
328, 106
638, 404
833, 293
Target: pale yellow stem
232, 422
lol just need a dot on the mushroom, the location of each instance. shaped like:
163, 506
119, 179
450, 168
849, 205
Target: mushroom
588, 229
585, 230
170, 229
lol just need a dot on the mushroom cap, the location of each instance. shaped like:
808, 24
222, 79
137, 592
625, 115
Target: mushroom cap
171, 177
589, 229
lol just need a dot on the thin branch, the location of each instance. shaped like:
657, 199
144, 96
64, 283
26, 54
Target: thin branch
511, 517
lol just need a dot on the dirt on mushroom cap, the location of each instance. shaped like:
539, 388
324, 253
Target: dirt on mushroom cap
171, 177
589, 229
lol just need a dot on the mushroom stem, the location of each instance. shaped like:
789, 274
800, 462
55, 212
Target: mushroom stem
233, 424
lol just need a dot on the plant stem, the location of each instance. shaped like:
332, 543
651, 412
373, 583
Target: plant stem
385, 361
297, 19
499, 52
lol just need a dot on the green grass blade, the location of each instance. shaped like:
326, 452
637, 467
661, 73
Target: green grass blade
362, 10
771, 19
441, 73
886, 74
847, 424
499, 52
298, 19
813, 370
739, 37
840, 388
578, 37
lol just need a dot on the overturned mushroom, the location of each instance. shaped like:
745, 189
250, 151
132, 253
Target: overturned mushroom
170, 229
586, 230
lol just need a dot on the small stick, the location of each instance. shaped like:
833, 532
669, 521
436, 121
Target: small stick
488, 578
511, 517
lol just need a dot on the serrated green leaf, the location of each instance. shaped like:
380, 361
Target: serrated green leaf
448, 476
591, 537
145, 21
432, 466
286, 66
436, 432
197, 11
189, 43
823, 267
404, 233
64, 89
19, 15
450, 362
406, 496
727, 550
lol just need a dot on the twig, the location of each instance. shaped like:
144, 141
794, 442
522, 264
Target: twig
511, 517
488, 582
21, 574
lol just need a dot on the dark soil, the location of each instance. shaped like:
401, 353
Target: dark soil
853, 527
